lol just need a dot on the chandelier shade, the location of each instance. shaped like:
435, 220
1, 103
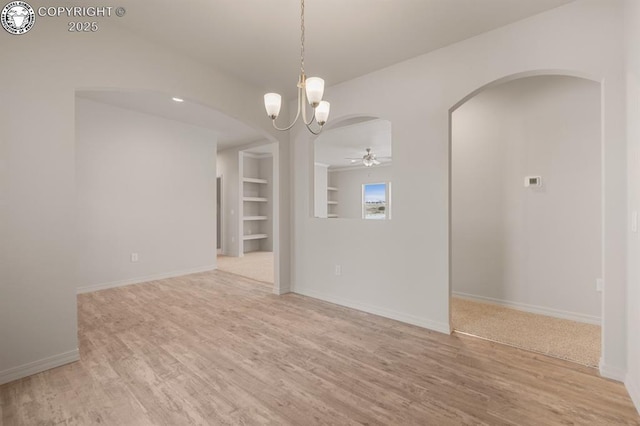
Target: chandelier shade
322, 112
272, 103
315, 90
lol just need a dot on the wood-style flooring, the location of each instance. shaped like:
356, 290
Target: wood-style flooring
217, 349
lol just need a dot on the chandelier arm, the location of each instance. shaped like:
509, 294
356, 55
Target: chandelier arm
313, 118
282, 129
313, 131
294, 120
303, 103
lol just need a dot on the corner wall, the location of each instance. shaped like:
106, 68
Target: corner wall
400, 269
38, 253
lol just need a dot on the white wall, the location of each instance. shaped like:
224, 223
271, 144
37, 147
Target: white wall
266, 172
145, 185
228, 169
632, 43
349, 183
320, 184
534, 248
401, 269
38, 249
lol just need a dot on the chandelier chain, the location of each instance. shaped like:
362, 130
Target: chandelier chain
302, 37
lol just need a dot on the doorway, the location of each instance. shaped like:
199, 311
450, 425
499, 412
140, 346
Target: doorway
253, 249
526, 216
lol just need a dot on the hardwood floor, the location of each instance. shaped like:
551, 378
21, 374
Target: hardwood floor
216, 349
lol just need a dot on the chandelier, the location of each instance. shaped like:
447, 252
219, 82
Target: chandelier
309, 90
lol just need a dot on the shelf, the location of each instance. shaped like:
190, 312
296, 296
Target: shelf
254, 180
255, 218
333, 216
332, 188
254, 237
256, 199
333, 203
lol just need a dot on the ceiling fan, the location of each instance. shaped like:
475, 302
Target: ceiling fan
369, 159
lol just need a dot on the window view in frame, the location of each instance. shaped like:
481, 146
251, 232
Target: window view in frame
375, 201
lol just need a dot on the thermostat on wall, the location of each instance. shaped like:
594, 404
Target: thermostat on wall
533, 181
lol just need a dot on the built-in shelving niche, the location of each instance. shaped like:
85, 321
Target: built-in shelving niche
257, 207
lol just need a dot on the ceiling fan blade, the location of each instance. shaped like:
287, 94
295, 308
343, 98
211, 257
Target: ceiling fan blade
376, 162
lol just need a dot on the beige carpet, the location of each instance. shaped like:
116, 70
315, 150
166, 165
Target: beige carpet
257, 265
570, 340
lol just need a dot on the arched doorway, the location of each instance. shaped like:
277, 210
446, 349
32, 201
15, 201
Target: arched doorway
525, 160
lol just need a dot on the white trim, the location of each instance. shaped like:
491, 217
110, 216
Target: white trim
376, 310
358, 166
280, 291
39, 366
613, 373
138, 280
634, 391
534, 309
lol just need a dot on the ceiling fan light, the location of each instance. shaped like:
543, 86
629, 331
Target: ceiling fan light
368, 162
315, 89
322, 112
272, 103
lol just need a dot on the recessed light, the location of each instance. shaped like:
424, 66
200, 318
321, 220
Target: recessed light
178, 99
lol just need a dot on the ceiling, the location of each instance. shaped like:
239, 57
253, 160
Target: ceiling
230, 131
335, 146
258, 40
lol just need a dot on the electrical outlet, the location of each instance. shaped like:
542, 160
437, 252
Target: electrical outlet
134, 257
599, 284
338, 270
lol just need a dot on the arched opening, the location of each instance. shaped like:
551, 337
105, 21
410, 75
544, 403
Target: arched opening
526, 223
147, 186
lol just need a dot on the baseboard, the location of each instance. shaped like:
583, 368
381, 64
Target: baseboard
39, 366
634, 391
534, 309
138, 280
281, 291
376, 310
613, 373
